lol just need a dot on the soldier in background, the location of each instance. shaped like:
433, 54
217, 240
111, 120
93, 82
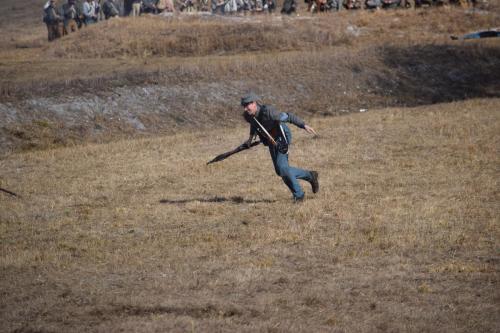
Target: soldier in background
80, 20
160, 6
53, 20
217, 6
70, 12
408, 4
258, 5
149, 6
89, 13
188, 6
136, 7
270, 5
204, 5
100, 13
110, 9
171, 5
289, 7
165, 5
231, 6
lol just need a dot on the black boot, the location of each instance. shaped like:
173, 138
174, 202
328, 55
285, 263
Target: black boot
314, 181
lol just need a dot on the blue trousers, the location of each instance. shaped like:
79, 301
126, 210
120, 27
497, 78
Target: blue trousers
290, 175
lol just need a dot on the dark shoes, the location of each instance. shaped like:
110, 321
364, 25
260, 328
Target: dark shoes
314, 181
314, 184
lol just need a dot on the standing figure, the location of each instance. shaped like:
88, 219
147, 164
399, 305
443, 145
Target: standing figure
219, 6
110, 9
289, 7
270, 5
70, 12
89, 13
231, 7
53, 20
136, 7
161, 5
270, 126
149, 6
408, 4
204, 5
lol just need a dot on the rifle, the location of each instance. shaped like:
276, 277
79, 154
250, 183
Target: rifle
8, 192
241, 147
280, 145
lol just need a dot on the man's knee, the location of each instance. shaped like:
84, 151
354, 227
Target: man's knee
283, 172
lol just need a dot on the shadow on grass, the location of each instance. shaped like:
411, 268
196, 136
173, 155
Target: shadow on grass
201, 311
216, 199
434, 73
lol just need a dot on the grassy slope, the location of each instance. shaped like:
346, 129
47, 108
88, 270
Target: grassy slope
143, 236
140, 235
117, 47
310, 65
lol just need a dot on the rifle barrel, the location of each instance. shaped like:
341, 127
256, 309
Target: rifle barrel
225, 155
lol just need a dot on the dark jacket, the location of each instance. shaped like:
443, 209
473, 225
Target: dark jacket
51, 16
109, 9
70, 11
271, 120
288, 7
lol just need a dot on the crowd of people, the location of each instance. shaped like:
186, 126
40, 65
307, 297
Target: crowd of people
72, 15
62, 19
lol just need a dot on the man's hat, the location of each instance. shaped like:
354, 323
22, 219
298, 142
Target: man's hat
249, 98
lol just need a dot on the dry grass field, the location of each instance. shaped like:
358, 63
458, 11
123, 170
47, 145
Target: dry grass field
120, 226
143, 236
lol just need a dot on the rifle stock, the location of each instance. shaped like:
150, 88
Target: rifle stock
225, 155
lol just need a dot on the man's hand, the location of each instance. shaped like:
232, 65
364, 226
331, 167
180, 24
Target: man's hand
247, 143
310, 130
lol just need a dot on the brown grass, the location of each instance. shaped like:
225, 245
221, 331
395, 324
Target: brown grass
143, 236
147, 37
115, 48
321, 84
